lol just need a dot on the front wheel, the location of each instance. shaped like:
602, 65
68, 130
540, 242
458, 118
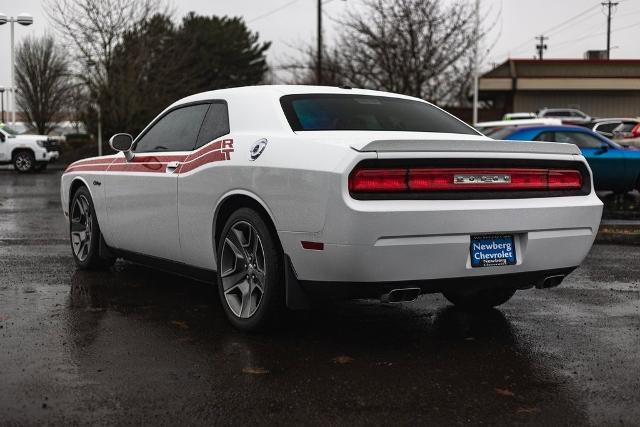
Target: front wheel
84, 232
481, 299
24, 161
250, 271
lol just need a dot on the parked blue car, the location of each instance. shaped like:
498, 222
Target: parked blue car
614, 167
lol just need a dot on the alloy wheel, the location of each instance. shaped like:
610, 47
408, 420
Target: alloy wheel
23, 162
243, 270
81, 227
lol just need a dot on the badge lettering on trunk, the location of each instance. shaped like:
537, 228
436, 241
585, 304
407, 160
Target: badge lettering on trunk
481, 179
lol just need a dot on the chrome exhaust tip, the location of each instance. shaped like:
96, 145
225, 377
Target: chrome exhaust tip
400, 295
551, 281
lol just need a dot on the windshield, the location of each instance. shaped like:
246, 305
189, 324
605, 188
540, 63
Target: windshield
8, 129
325, 112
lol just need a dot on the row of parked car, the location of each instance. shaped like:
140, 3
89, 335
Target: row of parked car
625, 131
611, 146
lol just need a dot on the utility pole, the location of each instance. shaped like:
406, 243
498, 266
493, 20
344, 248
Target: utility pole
610, 5
541, 46
319, 48
476, 66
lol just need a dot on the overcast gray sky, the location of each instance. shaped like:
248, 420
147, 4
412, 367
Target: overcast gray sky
517, 22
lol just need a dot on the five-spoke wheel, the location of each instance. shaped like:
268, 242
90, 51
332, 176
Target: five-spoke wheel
81, 227
242, 269
84, 232
250, 271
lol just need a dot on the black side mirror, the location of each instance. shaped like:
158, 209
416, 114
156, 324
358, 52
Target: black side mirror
604, 148
122, 142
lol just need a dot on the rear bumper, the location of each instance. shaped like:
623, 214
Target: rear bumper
403, 241
350, 290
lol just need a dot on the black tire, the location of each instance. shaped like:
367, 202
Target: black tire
84, 233
479, 300
264, 292
40, 166
24, 161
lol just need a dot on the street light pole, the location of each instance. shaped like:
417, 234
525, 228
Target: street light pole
22, 19
319, 48
476, 63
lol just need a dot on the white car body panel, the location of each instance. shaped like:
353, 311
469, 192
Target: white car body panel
301, 181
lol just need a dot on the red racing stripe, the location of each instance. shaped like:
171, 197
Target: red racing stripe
215, 151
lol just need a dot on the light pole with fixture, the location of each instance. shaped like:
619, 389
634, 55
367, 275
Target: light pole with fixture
22, 19
2, 102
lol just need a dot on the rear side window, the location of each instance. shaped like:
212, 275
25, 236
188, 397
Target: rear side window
607, 127
559, 113
580, 139
175, 131
500, 133
215, 125
327, 112
546, 137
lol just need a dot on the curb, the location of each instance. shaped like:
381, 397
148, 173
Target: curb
619, 234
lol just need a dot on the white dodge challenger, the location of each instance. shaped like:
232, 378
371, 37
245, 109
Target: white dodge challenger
286, 194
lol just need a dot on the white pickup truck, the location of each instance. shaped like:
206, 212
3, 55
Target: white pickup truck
27, 152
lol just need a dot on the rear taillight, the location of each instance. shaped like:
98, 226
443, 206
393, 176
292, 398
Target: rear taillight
378, 180
381, 180
635, 132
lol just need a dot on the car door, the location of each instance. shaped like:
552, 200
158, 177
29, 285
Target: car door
142, 194
199, 187
606, 160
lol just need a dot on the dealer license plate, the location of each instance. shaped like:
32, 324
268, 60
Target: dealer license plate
493, 250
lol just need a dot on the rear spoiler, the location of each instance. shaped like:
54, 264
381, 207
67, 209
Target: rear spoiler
480, 146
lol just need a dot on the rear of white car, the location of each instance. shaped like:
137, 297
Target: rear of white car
373, 241
443, 212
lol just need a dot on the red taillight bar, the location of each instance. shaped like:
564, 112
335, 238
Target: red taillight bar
380, 180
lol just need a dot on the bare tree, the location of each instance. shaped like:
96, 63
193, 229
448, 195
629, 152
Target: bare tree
93, 29
43, 82
422, 48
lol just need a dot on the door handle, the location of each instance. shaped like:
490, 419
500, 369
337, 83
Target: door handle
172, 166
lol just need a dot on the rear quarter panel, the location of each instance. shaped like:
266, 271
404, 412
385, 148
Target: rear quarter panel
290, 180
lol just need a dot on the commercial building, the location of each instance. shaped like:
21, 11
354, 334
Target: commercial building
600, 88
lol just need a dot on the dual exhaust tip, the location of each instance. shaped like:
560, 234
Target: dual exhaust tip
550, 281
400, 295
410, 294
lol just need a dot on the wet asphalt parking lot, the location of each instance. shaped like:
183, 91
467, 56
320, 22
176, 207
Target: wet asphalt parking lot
132, 345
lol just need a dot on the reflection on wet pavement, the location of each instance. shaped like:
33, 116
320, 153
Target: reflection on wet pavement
132, 345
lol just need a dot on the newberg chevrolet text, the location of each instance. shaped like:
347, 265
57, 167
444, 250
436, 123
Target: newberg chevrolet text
287, 194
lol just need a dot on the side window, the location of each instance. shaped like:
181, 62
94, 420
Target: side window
215, 125
607, 127
546, 137
582, 140
176, 131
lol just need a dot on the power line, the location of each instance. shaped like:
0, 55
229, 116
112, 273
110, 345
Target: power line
553, 28
590, 36
271, 12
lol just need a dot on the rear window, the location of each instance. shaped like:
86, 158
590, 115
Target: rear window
326, 112
500, 133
